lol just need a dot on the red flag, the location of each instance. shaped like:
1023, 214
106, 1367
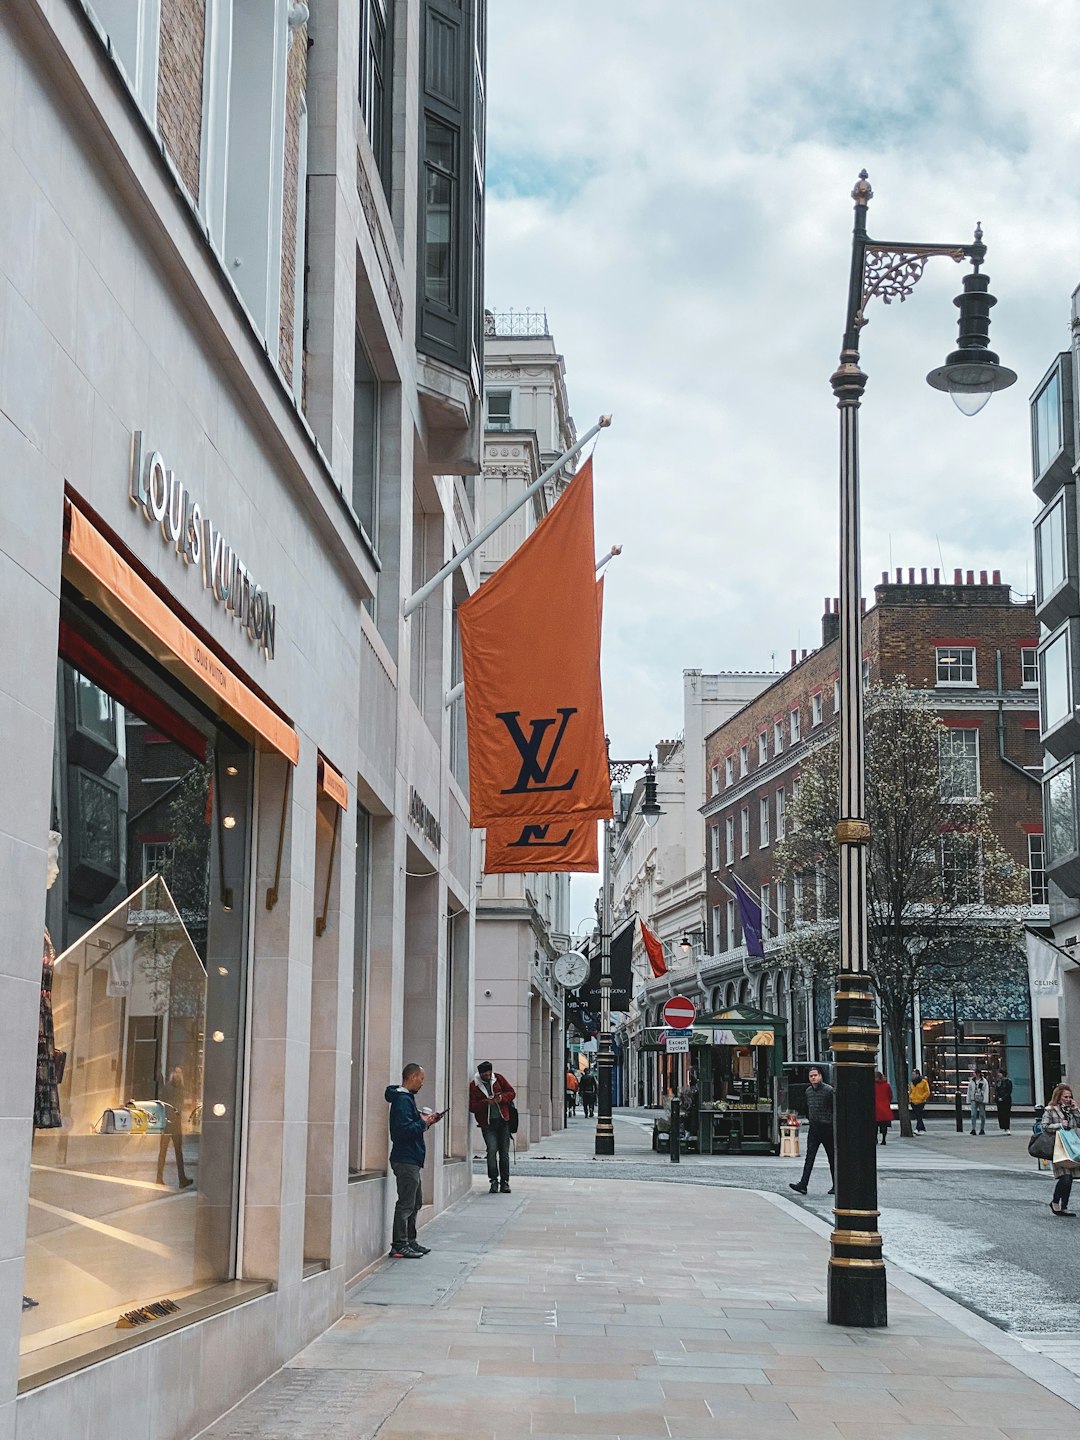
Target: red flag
562, 843
654, 950
530, 650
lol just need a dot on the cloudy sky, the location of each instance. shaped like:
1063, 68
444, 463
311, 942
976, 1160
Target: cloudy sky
671, 182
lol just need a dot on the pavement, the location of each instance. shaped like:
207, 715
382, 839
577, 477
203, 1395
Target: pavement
604, 1306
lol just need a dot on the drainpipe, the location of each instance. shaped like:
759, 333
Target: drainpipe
1012, 765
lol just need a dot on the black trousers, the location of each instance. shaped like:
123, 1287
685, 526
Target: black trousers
497, 1140
818, 1137
1004, 1109
410, 1193
175, 1135
917, 1111
1062, 1191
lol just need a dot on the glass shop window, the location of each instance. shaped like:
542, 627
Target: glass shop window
134, 1168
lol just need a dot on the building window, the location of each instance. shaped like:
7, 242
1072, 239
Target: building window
1037, 888
498, 410
961, 868
799, 898
729, 839
763, 822
955, 664
729, 770
440, 214
731, 924
820, 906
815, 709
1046, 436
1055, 677
714, 847
157, 858
781, 815
714, 780
376, 83
745, 829
958, 764
836, 697
744, 761
763, 747
716, 941
796, 725
1059, 810
1029, 666
766, 914
781, 906
1050, 562
367, 404
778, 736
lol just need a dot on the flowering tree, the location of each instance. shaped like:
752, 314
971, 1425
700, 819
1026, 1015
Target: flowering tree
942, 893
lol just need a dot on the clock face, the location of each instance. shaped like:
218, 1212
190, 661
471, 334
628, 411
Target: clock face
572, 969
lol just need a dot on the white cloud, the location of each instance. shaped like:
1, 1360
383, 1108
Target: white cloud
671, 183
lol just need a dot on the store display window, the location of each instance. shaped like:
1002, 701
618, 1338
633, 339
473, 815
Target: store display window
135, 1160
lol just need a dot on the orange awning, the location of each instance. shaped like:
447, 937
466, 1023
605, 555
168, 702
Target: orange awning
332, 784
106, 579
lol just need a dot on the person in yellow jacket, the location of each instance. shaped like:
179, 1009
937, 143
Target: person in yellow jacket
918, 1094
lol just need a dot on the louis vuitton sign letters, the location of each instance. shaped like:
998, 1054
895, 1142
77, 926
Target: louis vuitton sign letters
166, 501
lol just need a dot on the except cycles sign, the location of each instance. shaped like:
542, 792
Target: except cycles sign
679, 1012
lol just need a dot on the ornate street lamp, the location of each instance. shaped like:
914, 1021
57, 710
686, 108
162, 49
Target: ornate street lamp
650, 814
971, 374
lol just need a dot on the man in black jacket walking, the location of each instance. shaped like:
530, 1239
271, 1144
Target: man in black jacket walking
819, 1108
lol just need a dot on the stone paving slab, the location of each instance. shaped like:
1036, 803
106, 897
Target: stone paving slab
606, 1309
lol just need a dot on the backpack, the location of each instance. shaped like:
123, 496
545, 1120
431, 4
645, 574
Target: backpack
514, 1118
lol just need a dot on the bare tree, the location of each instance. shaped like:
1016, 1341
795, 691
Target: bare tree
942, 893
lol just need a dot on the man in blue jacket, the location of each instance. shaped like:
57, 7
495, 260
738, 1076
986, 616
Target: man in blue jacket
407, 1154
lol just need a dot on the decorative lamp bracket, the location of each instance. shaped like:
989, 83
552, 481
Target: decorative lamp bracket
891, 271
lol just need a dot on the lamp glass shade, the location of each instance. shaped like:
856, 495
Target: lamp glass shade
650, 815
972, 381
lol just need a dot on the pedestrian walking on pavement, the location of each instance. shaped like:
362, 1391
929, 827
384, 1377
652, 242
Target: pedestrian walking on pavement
571, 1092
407, 1155
882, 1106
978, 1096
1003, 1091
587, 1093
918, 1097
1062, 1115
490, 1098
819, 1131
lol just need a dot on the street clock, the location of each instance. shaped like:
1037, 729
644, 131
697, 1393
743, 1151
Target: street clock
572, 969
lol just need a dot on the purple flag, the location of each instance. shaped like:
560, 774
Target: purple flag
750, 918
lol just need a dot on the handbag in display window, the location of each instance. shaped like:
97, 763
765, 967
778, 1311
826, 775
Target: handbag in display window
114, 1122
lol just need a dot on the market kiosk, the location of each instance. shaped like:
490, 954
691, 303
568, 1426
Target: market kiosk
736, 1058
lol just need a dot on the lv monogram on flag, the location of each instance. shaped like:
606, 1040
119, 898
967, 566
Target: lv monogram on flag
530, 650
559, 844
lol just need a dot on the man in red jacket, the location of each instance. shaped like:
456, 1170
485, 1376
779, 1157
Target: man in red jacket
490, 1095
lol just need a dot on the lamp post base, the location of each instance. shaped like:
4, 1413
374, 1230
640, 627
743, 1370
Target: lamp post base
857, 1293
605, 1138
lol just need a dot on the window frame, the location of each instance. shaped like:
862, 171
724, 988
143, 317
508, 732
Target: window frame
946, 737
1029, 668
714, 848
744, 832
949, 682
1038, 894
1062, 633
778, 737
729, 770
763, 747
729, 838
816, 709
763, 823
744, 760
795, 724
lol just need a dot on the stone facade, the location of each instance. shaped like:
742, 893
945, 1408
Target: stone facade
119, 315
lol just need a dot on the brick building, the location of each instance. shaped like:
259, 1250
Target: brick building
973, 650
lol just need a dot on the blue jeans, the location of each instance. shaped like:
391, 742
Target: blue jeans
978, 1116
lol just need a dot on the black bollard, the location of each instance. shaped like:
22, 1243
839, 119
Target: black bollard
675, 1134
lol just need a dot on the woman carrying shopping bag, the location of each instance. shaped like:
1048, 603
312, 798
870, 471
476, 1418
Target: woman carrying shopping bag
1062, 1120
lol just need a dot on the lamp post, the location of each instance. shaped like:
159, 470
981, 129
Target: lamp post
889, 270
650, 814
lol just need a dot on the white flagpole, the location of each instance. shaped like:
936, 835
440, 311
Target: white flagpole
474, 544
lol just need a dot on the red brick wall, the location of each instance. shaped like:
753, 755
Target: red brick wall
900, 635
296, 84
180, 85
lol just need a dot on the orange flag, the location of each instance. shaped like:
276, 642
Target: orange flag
563, 843
654, 949
530, 651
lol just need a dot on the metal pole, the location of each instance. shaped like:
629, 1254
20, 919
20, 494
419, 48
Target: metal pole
956, 1065
856, 1268
463, 554
675, 1133
605, 1131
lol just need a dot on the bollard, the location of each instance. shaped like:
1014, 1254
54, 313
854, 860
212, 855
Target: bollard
674, 1135
959, 1114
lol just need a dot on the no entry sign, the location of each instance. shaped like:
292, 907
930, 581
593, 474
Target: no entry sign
679, 1012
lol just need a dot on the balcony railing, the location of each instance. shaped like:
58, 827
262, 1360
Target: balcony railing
515, 324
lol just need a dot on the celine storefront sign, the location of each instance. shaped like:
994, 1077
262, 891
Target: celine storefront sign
166, 502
